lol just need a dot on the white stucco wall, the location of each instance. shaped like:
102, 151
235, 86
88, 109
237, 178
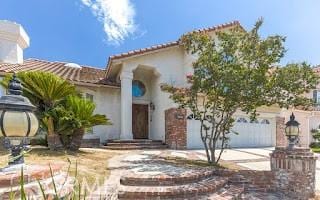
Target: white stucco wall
107, 102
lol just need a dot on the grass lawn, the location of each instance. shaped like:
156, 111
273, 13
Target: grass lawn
202, 163
91, 163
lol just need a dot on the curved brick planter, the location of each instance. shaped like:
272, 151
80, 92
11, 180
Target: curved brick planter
186, 191
165, 179
34, 173
10, 182
148, 176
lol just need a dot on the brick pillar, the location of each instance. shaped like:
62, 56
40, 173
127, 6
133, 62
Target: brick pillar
176, 128
294, 171
281, 139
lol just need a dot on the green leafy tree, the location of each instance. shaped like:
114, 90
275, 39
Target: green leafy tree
237, 71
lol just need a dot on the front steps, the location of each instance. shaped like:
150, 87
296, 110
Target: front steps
135, 144
197, 185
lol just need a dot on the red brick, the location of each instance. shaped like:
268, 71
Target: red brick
176, 128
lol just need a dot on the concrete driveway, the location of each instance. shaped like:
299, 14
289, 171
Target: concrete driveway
257, 159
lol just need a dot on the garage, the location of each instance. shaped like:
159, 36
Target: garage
258, 133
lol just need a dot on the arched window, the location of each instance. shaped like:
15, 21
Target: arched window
242, 120
265, 121
138, 88
254, 121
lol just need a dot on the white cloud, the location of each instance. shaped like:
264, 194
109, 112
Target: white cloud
117, 17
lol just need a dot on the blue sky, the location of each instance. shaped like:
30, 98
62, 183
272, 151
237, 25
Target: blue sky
88, 31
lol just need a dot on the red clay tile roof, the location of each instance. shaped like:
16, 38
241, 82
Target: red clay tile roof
165, 45
85, 74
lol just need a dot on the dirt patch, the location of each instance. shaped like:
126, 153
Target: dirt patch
90, 165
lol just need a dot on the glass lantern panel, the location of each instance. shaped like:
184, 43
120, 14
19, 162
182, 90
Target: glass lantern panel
292, 131
34, 125
15, 124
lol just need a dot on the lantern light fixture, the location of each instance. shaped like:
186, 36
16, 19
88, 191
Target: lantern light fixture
17, 121
292, 131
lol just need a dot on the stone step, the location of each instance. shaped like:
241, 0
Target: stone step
232, 192
189, 176
186, 191
132, 144
135, 147
134, 141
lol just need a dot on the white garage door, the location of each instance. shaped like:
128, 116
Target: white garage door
259, 133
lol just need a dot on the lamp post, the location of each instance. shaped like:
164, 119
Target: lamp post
17, 121
292, 131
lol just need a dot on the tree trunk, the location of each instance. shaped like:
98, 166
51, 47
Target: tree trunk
54, 142
76, 139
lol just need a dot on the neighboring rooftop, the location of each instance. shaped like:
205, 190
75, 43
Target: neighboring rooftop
69, 71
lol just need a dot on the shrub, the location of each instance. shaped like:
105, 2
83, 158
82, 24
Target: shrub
314, 145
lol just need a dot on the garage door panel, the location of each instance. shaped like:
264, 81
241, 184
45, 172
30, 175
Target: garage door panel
251, 134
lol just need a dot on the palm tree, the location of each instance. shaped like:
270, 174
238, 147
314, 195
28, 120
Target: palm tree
81, 117
46, 91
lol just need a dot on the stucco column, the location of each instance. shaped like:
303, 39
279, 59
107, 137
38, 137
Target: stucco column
126, 105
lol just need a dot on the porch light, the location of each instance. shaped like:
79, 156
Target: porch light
292, 131
152, 106
17, 121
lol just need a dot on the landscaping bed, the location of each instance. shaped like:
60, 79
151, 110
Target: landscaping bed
90, 164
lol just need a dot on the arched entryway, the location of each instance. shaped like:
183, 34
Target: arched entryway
137, 109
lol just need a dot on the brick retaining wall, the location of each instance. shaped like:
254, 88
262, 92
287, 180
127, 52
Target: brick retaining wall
292, 173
